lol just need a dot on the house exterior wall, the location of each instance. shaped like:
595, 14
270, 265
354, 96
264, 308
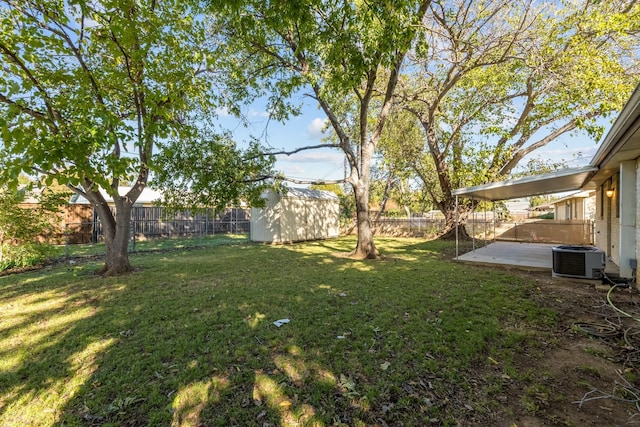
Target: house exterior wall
576, 208
590, 207
637, 203
600, 222
614, 207
579, 208
612, 218
615, 242
607, 226
561, 211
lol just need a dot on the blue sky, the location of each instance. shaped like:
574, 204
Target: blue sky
303, 130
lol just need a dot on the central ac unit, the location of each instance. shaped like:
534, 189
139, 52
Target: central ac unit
583, 262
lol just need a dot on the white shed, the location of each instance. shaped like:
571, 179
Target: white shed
298, 215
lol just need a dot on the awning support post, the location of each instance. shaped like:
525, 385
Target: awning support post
484, 208
495, 217
456, 225
473, 226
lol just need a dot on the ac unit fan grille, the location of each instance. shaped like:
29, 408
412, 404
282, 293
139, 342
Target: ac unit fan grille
570, 263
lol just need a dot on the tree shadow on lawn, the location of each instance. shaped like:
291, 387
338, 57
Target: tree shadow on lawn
169, 346
47, 344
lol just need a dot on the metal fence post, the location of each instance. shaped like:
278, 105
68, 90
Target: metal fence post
133, 236
66, 240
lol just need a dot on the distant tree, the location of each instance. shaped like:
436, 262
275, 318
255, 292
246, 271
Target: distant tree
394, 166
539, 200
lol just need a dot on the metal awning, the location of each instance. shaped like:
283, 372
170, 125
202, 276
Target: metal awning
548, 183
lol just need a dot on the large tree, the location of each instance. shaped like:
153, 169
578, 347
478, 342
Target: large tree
88, 89
339, 54
495, 80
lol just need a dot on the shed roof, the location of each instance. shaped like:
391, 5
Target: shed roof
306, 193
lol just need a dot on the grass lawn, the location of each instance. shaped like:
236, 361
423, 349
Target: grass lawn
189, 338
159, 244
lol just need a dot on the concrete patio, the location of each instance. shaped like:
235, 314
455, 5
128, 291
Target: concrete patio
528, 256
534, 256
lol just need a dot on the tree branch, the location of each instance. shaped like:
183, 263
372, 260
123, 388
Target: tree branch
51, 112
521, 153
297, 150
310, 181
33, 113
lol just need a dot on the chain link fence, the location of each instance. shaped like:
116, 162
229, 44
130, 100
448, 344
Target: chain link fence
150, 224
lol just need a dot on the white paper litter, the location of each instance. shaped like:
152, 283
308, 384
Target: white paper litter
280, 322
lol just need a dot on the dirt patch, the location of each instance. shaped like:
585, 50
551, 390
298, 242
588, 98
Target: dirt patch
586, 374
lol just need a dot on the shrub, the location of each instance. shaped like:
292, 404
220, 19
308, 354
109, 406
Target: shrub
25, 255
21, 228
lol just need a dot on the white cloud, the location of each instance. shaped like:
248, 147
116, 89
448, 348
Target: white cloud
222, 112
293, 170
313, 156
256, 113
316, 128
583, 151
313, 164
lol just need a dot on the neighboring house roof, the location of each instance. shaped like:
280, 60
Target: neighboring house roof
621, 143
147, 196
577, 195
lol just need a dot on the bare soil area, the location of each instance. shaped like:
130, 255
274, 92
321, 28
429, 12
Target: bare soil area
586, 372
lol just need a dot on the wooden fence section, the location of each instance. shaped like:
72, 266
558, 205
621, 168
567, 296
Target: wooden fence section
68, 214
82, 215
579, 232
527, 230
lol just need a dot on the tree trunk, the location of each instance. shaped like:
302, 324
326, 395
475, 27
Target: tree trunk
116, 236
455, 218
365, 248
388, 186
117, 247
